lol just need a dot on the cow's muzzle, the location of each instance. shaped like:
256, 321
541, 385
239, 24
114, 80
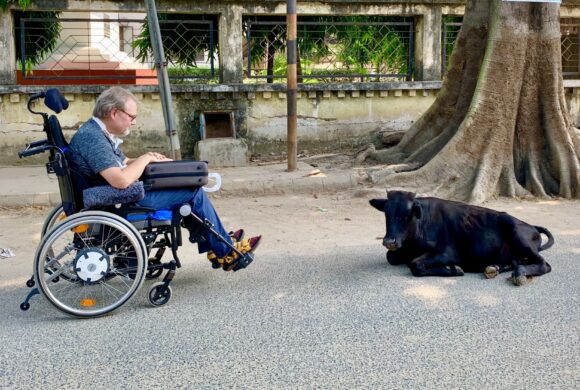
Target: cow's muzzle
391, 243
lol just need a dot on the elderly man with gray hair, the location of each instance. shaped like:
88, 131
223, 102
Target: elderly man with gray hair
98, 160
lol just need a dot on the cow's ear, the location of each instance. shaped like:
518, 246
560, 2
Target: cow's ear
416, 210
378, 204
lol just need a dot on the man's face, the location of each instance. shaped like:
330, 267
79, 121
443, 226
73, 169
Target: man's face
123, 119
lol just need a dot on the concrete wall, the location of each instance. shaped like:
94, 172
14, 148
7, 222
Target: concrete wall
343, 117
328, 119
330, 116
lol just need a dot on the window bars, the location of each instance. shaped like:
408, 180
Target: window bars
332, 49
570, 40
449, 33
113, 49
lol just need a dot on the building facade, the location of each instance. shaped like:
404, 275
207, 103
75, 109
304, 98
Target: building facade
241, 98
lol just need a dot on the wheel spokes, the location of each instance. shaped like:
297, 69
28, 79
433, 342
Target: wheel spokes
79, 281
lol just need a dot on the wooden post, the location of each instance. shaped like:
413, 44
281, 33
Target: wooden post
292, 85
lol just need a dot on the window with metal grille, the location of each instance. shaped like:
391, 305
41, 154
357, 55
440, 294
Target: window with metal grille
331, 48
59, 48
449, 32
570, 43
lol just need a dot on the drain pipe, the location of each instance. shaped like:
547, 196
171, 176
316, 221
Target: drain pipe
163, 80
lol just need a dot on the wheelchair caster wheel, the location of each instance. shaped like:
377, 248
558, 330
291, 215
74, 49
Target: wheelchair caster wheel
30, 283
159, 295
24, 306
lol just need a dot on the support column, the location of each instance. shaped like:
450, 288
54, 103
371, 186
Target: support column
7, 46
230, 44
428, 45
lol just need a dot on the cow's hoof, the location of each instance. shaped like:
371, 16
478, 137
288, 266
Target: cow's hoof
491, 271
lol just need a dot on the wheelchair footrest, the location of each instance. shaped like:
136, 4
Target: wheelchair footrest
244, 261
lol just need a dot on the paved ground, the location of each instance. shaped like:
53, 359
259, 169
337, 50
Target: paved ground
319, 308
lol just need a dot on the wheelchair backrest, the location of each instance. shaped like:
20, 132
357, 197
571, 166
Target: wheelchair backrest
70, 194
71, 198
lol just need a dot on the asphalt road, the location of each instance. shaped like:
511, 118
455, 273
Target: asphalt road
345, 319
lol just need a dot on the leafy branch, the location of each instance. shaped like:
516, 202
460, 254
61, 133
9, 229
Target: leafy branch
4, 4
40, 35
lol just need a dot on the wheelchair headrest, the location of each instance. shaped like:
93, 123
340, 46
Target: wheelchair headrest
54, 100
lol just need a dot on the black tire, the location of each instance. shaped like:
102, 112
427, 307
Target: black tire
101, 258
55, 216
159, 295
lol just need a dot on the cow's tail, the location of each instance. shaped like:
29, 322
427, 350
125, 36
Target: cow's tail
545, 231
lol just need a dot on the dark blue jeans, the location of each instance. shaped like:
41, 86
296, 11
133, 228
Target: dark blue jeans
200, 205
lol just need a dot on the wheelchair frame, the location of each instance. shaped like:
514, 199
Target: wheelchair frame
91, 261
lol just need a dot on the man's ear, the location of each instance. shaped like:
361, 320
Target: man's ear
378, 204
416, 210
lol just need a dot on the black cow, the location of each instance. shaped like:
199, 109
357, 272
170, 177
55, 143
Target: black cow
437, 237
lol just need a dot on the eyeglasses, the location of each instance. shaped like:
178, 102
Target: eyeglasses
133, 117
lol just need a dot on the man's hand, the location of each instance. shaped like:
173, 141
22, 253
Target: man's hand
158, 157
122, 178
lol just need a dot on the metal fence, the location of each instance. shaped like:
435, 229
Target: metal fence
570, 44
331, 49
113, 49
570, 40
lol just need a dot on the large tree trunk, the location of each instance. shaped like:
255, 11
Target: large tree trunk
499, 125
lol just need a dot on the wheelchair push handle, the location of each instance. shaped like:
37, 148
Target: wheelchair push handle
36, 144
33, 148
36, 96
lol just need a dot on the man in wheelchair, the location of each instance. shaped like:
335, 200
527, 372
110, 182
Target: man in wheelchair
95, 156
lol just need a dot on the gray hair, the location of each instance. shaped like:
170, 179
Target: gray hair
114, 97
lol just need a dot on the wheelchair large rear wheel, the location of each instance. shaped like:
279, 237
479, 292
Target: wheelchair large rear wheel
55, 216
101, 257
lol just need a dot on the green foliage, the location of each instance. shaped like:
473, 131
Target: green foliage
192, 75
4, 4
450, 31
183, 40
40, 36
46, 33
357, 43
268, 40
364, 44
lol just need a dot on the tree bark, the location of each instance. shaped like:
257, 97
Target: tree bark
499, 125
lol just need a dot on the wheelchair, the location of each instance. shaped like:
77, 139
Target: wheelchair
92, 260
